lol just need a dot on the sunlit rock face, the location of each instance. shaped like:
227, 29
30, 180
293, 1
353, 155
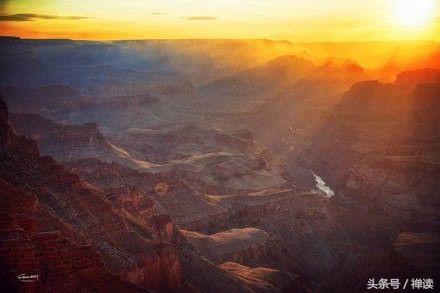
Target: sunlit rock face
264, 279
238, 245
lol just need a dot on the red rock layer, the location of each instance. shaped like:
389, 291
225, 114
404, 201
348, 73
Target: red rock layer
147, 256
52, 262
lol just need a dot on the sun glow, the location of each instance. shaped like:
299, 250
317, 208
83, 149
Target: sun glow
295, 20
414, 13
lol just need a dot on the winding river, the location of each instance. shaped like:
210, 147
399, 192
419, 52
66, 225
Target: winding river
322, 186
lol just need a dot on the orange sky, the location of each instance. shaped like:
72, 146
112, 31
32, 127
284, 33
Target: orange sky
325, 20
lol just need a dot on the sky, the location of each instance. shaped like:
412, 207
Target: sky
294, 20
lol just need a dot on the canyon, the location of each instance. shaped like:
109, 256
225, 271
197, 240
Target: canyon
126, 171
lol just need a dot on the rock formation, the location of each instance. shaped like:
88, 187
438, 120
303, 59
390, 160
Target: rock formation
36, 261
237, 245
144, 255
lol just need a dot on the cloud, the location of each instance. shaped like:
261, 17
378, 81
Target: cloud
34, 16
201, 17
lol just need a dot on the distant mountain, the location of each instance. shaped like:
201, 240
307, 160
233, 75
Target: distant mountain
132, 67
413, 77
279, 72
333, 77
286, 77
291, 114
247, 89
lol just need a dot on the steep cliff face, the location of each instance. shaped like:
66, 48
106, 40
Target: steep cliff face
63, 142
5, 131
37, 261
144, 255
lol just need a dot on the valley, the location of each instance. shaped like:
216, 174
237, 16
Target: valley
169, 166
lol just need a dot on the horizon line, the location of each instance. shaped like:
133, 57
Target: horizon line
214, 39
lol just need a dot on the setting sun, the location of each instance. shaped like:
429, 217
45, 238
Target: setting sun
176, 19
414, 13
